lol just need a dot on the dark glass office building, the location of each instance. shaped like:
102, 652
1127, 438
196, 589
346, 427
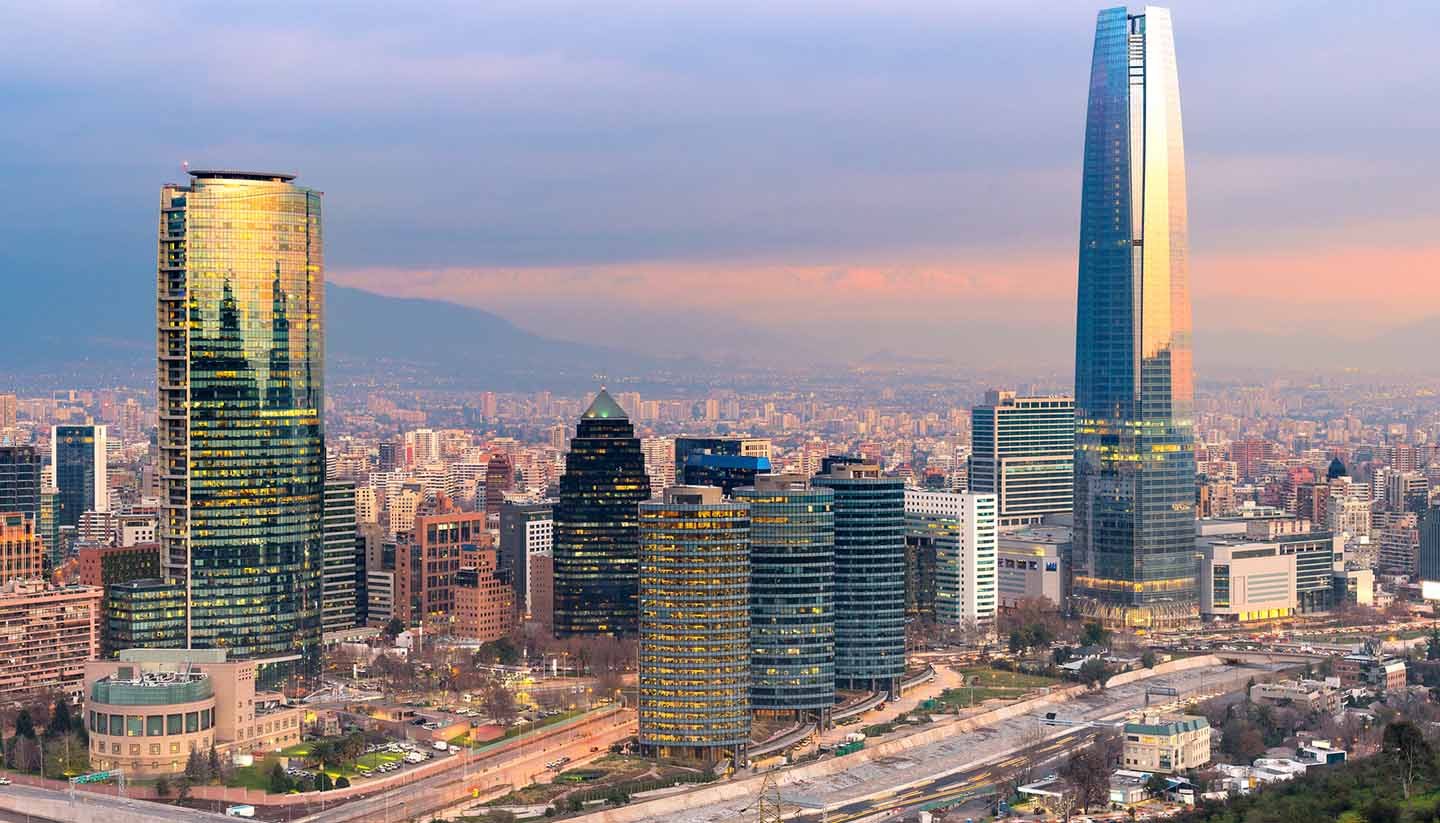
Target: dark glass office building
144, 614
337, 597
78, 455
240, 284
1134, 554
20, 481
792, 597
869, 576
694, 692
724, 471
597, 536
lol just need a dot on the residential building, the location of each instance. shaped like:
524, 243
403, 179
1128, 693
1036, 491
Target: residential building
1370, 671
1023, 452
659, 462
597, 536
960, 528
484, 600
143, 614
1167, 744
792, 596
81, 474
526, 529
1309, 696
46, 635
869, 575
694, 608
22, 556
540, 584
146, 711
426, 561
338, 609
241, 394
1134, 555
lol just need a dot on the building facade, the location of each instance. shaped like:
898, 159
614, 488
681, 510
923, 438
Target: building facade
526, 529
484, 600
960, 528
597, 535
46, 635
81, 471
694, 604
1133, 549
22, 556
1022, 450
143, 614
869, 575
1167, 744
426, 561
338, 608
1030, 565
1243, 582
240, 283
792, 596
20, 469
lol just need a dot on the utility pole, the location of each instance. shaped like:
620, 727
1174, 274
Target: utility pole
767, 807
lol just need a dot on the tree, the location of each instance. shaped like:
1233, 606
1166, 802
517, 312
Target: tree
1094, 634
279, 781
1155, 786
24, 725
1087, 771
212, 763
1094, 671
196, 770
1432, 648
324, 783
1405, 749
342, 782
499, 704
162, 786
1148, 659
324, 753
59, 720
1061, 655
394, 628
1382, 811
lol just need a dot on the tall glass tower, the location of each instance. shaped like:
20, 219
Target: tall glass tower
242, 465
1134, 543
597, 535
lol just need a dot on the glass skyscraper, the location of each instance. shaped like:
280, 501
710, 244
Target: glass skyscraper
1022, 450
242, 467
597, 536
792, 596
337, 597
78, 455
1134, 544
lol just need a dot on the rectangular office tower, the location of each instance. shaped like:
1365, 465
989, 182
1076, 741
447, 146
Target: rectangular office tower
1022, 450
955, 533
78, 455
1134, 552
338, 609
242, 464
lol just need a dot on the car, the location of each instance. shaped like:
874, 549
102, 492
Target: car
4, 781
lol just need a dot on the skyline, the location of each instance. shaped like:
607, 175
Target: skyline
867, 178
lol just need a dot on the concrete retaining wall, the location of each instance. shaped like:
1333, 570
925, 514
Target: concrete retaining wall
1184, 664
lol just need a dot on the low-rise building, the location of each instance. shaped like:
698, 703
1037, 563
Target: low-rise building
1167, 744
1368, 671
1241, 581
1031, 565
150, 708
1306, 695
46, 635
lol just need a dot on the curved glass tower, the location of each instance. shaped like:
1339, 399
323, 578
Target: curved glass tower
241, 364
1134, 544
792, 596
694, 696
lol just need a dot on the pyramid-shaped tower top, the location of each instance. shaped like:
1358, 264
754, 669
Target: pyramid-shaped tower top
604, 407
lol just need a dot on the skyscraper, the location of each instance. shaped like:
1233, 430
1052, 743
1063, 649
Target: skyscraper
694, 699
240, 286
20, 481
597, 536
1023, 452
78, 455
869, 575
959, 528
337, 597
792, 596
1134, 552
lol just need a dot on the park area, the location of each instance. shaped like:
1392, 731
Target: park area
610, 778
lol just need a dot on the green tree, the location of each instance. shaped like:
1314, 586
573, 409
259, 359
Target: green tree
1155, 786
279, 781
162, 786
1381, 810
324, 783
394, 628
1094, 634
1410, 757
342, 782
24, 725
1094, 671
1432, 648
1061, 655
195, 768
1148, 659
212, 763
59, 719
1017, 641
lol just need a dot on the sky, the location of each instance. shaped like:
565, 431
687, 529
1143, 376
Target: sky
735, 177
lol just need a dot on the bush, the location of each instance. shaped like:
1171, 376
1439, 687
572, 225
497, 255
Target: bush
342, 782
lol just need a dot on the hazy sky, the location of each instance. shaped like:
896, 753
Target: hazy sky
881, 175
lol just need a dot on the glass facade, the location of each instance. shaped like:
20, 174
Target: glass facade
597, 537
1022, 450
694, 696
144, 614
1134, 554
20, 480
78, 455
792, 599
337, 596
241, 362
869, 577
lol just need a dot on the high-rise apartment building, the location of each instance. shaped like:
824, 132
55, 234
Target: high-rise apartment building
869, 575
1022, 450
659, 462
597, 536
792, 596
337, 596
694, 694
1134, 552
79, 456
426, 560
46, 635
22, 556
960, 529
526, 529
241, 392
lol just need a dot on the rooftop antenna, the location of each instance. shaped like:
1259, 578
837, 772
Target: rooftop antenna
185, 166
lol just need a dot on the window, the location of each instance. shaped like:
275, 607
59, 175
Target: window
173, 724
117, 727
155, 726
134, 726
192, 722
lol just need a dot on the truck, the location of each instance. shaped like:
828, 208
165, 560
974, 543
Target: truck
441, 746
854, 737
244, 810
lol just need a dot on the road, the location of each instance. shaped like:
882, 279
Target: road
36, 804
964, 751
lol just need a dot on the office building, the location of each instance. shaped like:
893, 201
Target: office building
1315, 554
526, 529
104, 566
499, 479
754, 447
1427, 565
869, 575
143, 614
46, 635
1167, 745
960, 529
484, 600
1309, 696
792, 597
20, 468
1022, 450
597, 536
540, 585
81, 471
241, 395
1030, 565
146, 711
1133, 552
337, 596
1242, 581
723, 471
22, 557
426, 560
1399, 546
694, 604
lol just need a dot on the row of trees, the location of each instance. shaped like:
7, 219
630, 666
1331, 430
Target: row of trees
61, 749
